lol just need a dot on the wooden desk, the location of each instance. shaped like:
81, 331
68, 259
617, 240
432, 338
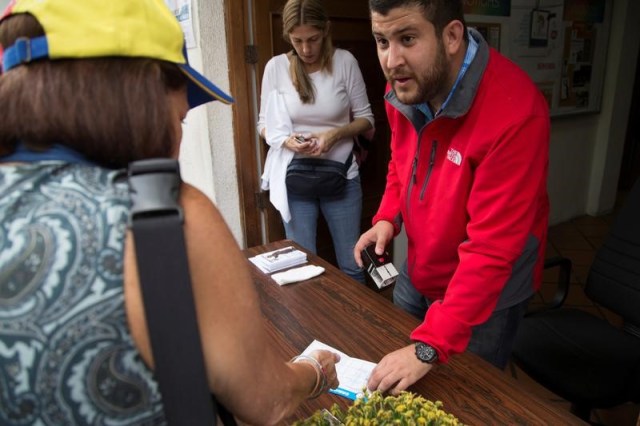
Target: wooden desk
338, 311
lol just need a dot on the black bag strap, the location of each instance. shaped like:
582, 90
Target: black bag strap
309, 163
347, 163
156, 222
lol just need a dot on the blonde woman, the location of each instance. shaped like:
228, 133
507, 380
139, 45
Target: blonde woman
325, 99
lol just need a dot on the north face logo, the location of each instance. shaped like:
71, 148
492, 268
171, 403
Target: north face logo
454, 156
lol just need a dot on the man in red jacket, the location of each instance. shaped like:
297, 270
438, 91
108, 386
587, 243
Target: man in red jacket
467, 180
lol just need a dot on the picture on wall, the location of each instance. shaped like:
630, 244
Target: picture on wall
539, 31
577, 68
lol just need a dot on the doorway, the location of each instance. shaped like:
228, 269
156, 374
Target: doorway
260, 35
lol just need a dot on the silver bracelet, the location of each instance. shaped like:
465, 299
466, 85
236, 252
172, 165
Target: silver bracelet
317, 391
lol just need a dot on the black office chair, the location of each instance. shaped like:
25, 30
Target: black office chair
578, 356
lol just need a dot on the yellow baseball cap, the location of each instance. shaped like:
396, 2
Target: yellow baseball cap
77, 29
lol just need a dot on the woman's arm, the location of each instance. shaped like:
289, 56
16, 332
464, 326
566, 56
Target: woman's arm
245, 372
363, 120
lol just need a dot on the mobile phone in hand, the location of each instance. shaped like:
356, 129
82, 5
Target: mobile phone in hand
300, 139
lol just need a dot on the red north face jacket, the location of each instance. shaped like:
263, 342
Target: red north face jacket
470, 188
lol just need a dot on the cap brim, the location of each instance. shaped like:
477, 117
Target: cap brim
200, 90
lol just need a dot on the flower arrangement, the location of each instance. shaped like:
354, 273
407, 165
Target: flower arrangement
404, 409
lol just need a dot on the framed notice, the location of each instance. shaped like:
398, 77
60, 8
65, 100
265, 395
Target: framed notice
539, 31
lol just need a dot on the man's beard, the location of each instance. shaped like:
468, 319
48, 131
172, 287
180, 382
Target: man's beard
430, 84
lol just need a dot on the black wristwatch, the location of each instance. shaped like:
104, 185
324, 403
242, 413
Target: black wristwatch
426, 353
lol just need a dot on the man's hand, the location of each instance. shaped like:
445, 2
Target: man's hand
397, 371
380, 234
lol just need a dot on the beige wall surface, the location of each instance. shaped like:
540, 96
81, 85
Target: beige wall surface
207, 155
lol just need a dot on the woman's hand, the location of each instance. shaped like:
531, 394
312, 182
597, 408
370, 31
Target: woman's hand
327, 361
324, 365
324, 142
299, 143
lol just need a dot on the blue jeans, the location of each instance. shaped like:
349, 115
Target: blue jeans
492, 340
342, 214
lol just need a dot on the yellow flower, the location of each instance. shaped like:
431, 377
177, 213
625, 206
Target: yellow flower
376, 410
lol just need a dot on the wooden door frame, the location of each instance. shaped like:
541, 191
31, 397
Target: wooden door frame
246, 67
244, 121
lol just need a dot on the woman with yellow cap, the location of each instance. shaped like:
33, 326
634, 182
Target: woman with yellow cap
88, 86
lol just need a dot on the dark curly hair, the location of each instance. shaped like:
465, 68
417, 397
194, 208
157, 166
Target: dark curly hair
438, 12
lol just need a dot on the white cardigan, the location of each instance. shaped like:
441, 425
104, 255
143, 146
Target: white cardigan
278, 158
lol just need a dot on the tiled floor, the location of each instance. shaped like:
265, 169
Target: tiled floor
578, 239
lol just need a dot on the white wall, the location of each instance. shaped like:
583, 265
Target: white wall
207, 156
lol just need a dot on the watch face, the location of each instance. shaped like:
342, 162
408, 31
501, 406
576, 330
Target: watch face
426, 353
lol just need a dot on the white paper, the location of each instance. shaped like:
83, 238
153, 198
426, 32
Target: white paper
353, 373
298, 274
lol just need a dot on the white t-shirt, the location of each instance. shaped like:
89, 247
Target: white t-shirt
339, 96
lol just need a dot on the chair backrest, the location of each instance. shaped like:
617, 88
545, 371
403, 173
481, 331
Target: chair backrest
614, 277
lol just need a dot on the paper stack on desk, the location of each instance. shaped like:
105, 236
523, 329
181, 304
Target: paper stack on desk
277, 260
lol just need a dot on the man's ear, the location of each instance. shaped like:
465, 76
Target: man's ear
453, 38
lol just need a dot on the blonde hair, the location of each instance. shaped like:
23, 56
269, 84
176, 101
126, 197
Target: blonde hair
306, 12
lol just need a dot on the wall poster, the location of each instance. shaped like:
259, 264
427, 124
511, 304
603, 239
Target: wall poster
184, 13
561, 44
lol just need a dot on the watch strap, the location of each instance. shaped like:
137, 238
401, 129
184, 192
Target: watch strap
426, 353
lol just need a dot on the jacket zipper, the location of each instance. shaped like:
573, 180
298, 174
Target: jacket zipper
414, 172
432, 161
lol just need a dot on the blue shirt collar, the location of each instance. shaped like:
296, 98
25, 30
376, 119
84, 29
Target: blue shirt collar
57, 152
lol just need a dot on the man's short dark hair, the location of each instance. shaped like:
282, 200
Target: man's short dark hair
438, 12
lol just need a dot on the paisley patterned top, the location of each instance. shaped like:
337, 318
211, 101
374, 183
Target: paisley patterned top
66, 354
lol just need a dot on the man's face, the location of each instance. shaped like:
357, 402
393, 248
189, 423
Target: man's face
412, 57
